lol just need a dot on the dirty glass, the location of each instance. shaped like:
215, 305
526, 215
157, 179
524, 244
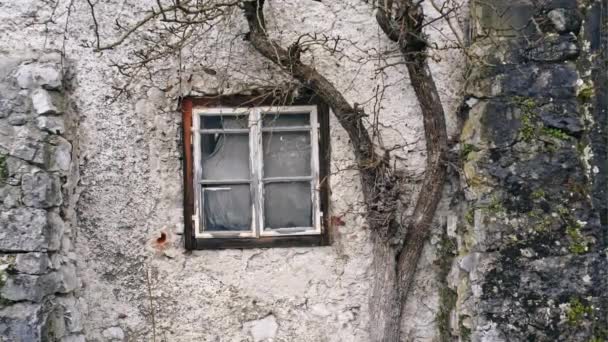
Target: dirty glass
227, 207
286, 154
225, 156
223, 121
287, 205
285, 120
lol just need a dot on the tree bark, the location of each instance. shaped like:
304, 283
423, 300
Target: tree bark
395, 264
407, 32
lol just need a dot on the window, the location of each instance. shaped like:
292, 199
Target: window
255, 175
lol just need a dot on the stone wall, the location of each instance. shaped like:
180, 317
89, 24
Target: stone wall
531, 262
37, 263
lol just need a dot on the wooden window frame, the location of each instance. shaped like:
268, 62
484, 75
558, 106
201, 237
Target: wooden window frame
191, 163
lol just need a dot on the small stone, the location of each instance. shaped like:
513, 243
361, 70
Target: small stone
69, 280
51, 124
41, 190
469, 262
565, 20
47, 76
56, 322
23, 229
43, 103
27, 144
24, 76
60, 154
113, 333
71, 310
17, 119
11, 195
56, 228
6, 107
6, 135
553, 48
262, 329
33, 288
32, 263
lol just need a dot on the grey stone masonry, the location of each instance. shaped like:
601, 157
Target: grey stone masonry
37, 276
532, 249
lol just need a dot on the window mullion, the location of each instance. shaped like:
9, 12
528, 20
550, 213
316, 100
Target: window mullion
257, 167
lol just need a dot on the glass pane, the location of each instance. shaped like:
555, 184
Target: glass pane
223, 121
286, 154
225, 156
227, 207
285, 120
287, 205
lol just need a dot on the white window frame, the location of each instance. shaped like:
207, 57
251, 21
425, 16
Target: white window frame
256, 164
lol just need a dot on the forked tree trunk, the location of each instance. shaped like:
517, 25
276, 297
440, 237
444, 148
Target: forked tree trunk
394, 265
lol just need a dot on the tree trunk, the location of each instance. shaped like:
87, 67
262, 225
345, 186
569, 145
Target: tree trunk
394, 264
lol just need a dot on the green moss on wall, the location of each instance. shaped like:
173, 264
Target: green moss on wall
3, 168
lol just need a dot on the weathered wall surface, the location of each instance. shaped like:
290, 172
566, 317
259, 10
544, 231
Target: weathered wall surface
37, 259
129, 180
532, 240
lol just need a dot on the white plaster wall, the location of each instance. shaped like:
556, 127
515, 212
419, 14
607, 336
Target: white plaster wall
131, 187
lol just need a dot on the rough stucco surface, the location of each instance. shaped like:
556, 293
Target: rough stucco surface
130, 182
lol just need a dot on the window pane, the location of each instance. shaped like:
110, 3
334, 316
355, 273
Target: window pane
287, 205
225, 156
227, 208
286, 154
223, 121
285, 120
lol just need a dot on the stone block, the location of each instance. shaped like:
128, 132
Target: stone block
11, 195
27, 144
51, 124
32, 263
69, 280
18, 119
6, 107
56, 228
565, 20
21, 322
47, 76
553, 48
7, 133
71, 313
33, 288
262, 329
43, 102
23, 229
60, 154
41, 190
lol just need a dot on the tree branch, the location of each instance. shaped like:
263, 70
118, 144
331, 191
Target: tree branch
378, 180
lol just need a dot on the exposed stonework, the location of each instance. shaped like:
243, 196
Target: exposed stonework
532, 262
37, 272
